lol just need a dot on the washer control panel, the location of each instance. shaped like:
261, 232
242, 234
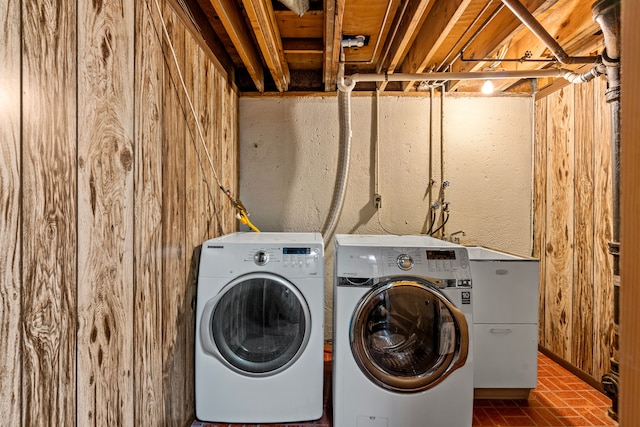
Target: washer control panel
433, 262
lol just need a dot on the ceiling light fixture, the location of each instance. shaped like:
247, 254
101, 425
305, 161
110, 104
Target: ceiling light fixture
487, 87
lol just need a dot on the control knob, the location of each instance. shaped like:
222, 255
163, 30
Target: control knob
261, 258
405, 262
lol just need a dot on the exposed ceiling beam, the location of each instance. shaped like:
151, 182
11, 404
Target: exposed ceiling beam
441, 20
396, 48
195, 20
333, 12
233, 23
265, 27
499, 32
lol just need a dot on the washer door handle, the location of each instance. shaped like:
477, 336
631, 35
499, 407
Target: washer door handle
206, 337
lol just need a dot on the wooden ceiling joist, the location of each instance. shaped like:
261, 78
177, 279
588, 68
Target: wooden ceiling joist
233, 23
441, 20
265, 27
334, 13
405, 34
415, 36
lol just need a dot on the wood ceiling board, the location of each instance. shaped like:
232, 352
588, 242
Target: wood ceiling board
233, 22
368, 18
309, 25
263, 21
304, 60
303, 45
363, 16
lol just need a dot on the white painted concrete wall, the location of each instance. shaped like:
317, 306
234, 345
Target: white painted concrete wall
289, 151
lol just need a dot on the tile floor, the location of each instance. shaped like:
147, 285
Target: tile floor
560, 399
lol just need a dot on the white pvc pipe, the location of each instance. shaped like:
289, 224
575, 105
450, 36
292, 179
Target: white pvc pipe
346, 84
444, 76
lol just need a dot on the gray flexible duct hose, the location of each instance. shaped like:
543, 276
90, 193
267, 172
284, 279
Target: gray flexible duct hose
344, 117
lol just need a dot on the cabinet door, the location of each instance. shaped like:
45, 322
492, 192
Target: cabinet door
505, 355
505, 291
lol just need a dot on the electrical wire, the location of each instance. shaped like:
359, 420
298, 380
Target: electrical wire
444, 222
241, 212
433, 216
382, 225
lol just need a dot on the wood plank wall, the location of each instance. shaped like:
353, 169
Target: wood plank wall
630, 220
106, 193
572, 225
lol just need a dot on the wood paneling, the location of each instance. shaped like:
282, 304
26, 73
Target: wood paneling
105, 211
572, 224
48, 213
98, 184
559, 230
540, 207
10, 219
603, 215
149, 111
583, 298
630, 220
174, 226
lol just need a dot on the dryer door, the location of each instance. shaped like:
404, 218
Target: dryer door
259, 324
407, 336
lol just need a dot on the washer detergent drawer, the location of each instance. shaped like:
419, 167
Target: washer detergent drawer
506, 355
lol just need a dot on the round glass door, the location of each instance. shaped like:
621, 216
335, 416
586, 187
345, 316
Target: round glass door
407, 336
260, 324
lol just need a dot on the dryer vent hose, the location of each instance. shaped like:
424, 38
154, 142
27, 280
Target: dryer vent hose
344, 117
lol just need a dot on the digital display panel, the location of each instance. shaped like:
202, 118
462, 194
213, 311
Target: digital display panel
296, 251
435, 255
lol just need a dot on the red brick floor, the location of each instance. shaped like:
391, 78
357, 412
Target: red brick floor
560, 399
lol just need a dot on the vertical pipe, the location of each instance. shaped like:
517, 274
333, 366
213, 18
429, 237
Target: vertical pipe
607, 14
376, 178
444, 212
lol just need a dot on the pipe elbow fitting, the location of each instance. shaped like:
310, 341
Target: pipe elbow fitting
346, 84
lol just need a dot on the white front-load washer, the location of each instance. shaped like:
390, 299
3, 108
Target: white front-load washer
259, 355
402, 349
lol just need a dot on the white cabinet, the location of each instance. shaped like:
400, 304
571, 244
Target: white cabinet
505, 318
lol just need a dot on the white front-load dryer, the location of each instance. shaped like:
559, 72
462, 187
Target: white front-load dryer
259, 355
402, 350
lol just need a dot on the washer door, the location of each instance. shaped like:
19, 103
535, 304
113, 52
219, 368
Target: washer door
258, 325
407, 336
